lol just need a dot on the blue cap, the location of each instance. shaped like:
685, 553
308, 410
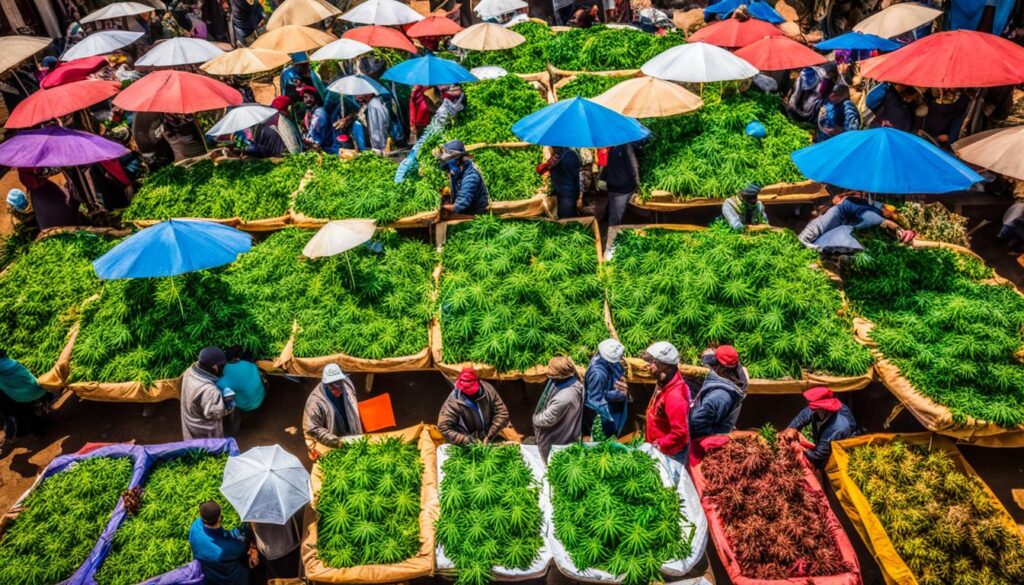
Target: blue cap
16, 198
49, 62
455, 146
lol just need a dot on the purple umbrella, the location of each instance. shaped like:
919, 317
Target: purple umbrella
57, 147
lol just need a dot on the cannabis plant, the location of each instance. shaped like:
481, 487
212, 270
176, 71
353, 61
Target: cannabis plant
933, 221
589, 86
601, 48
525, 58
492, 107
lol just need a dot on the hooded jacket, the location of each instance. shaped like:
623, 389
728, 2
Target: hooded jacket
716, 407
558, 420
462, 424
836, 427
202, 405
469, 193
323, 423
667, 425
601, 395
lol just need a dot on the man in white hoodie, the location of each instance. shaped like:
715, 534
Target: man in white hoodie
331, 411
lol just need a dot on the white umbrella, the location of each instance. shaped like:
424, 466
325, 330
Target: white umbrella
897, 19
488, 72
353, 85
266, 484
179, 51
117, 10
341, 50
240, 118
489, 8
100, 43
339, 236
382, 13
698, 63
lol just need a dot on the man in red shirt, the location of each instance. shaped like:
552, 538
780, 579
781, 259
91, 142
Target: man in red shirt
668, 410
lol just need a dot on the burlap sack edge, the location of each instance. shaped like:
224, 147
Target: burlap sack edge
778, 193
312, 367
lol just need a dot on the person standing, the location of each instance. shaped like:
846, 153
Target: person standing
465, 183
278, 548
246, 17
716, 407
319, 132
372, 123
622, 177
225, 556
564, 167
331, 410
421, 109
473, 412
558, 416
203, 406
607, 396
744, 209
838, 114
22, 398
830, 420
243, 378
667, 412
284, 126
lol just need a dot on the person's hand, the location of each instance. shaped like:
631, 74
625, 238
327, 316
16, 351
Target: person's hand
254, 558
621, 386
789, 435
314, 454
889, 224
943, 138
593, 10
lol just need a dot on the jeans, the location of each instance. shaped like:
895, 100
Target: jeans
846, 213
617, 203
567, 205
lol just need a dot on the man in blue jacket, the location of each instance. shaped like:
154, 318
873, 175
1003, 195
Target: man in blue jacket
224, 555
468, 191
716, 407
605, 392
830, 420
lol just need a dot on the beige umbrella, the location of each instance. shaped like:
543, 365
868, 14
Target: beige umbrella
897, 19
246, 61
117, 10
339, 236
292, 38
649, 97
487, 36
997, 150
301, 12
16, 48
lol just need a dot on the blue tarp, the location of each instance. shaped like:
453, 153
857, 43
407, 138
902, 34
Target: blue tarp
578, 123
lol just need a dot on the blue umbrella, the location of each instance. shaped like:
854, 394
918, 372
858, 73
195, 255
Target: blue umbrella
175, 246
758, 9
856, 41
578, 123
885, 161
428, 70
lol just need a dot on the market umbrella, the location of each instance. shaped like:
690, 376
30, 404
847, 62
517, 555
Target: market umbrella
341, 50
487, 36
177, 92
897, 19
492, 8
857, 41
758, 9
578, 123
55, 146
997, 150
433, 26
171, 247
16, 48
959, 58
648, 97
240, 118
353, 85
733, 32
292, 38
779, 54
117, 10
246, 61
382, 13
301, 12
339, 236
698, 63
428, 70
488, 72
265, 484
380, 37
47, 104
884, 160
100, 43
73, 71
179, 51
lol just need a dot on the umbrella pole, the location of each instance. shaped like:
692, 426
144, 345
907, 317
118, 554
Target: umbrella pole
351, 276
177, 297
21, 84
195, 120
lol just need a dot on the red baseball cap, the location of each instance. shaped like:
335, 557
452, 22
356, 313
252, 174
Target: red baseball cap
281, 102
726, 355
467, 382
821, 398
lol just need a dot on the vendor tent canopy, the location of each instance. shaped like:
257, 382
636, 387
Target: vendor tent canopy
339, 236
117, 10
100, 43
733, 32
897, 19
382, 13
1000, 150
240, 118
648, 97
353, 85
16, 48
48, 104
246, 61
171, 247
578, 123
301, 12
433, 26
953, 59
779, 54
266, 484
179, 51
341, 50
857, 41
758, 9
884, 161
292, 38
55, 146
381, 37
492, 8
177, 92
698, 63
487, 36
428, 70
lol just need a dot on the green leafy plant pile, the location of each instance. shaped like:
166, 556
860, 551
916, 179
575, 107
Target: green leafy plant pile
957, 340
755, 291
369, 503
588, 86
510, 173
515, 293
490, 516
364, 187
600, 48
525, 58
257, 189
708, 154
492, 107
155, 540
61, 521
13, 245
41, 296
363, 303
612, 512
942, 522
933, 221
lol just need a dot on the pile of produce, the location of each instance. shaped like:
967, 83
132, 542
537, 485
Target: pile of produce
13, 245
776, 526
600, 48
957, 340
943, 523
371, 302
41, 296
509, 173
588, 86
708, 154
369, 503
253, 189
492, 107
364, 187
490, 516
515, 293
154, 540
754, 290
612, 512
61, 521
933, 221
525, 58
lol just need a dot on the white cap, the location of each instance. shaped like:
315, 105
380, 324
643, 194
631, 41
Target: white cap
333, 373
664, 352
611, 350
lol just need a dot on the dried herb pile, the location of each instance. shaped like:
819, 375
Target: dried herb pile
61, 521
942, 522
515, 293
509, 173
490, 515
492, 107
932, 221
754, 290
369, 503
600, 48
588, 86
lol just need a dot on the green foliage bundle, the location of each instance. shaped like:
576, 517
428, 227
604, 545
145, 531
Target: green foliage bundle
612, 512
364, 187
490, 516
492, 106
13, 245
252, 189
525, 58
509, 173
753, 290
369, 503
957, 340
362, 303
707, 153
943, 523
600, 48
515, 293
155, 540
61, 521
41, 296
588, 86
933, 221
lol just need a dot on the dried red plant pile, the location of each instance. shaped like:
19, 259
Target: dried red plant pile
776, 525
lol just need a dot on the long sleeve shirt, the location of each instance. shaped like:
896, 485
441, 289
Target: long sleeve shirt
203, 407
559, 418
378, 120
838, 426
735, 211
222, 554
667, 416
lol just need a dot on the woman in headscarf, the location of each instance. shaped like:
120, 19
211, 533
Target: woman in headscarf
558, 417
805, 101
53, 206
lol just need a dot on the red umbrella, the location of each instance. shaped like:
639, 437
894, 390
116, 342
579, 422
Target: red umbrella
177, 92
733, 32
433, 26
381, 37
47, 104
72, 71
954, 59
778, 54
